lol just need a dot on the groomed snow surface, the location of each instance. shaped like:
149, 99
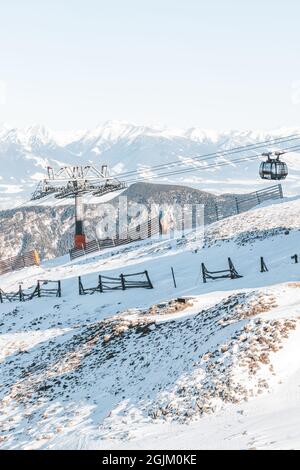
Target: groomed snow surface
139, 369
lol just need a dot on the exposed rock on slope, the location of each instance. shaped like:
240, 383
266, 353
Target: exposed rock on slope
223, 354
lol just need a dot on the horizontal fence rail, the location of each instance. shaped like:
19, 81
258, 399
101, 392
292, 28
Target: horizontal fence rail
123, 282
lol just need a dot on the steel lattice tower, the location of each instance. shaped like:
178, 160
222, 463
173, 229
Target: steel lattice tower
74, 182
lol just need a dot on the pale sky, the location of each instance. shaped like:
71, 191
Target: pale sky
217, 64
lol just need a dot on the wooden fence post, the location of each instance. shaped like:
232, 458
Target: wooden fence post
258, 199
173, 275
59, 288
149, 234
231, 267
20, 293
100, 283
122, 281
233, 272
237, 205
81, 289
148, 279
38, 289
203, 272
263, 267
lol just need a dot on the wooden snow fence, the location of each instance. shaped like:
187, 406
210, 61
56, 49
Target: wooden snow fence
31, 258
147, 229
43, 288
123, 282
152, 227
250, 200
230, 273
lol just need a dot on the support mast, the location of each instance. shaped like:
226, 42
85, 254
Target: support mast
79, 241
74, 182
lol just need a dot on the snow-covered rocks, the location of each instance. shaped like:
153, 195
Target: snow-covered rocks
234, 370
169, 307
180, 370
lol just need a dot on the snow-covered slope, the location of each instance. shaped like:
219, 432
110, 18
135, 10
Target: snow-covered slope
138, 368
25, 153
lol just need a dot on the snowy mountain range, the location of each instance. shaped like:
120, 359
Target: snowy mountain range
25, 153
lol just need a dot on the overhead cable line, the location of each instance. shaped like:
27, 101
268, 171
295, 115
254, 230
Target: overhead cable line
212, 155
203, 167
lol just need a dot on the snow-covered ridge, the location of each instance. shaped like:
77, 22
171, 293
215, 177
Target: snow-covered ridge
114, 130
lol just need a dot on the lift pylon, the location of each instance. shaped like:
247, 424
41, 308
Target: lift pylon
74, 182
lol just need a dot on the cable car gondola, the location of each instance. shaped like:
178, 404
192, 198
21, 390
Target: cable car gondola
273, 168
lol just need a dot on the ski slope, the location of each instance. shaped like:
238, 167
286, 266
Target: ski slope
128, 369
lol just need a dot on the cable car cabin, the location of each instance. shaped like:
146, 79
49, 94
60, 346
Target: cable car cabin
273, 168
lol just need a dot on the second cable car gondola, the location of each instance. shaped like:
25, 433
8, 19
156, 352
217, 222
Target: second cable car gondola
273, 168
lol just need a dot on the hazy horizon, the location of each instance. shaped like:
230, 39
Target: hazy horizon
151, 125
213, 65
